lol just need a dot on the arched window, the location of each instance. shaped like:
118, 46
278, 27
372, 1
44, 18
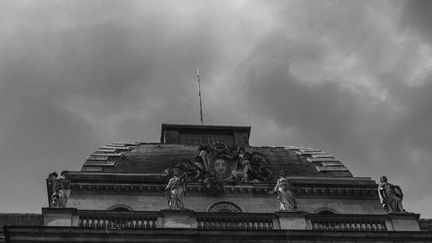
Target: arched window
120, 208
224, 207
326, 212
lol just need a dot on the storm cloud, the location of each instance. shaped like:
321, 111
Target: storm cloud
353, 78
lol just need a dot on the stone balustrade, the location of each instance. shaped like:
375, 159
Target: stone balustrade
234, 221
117, 220
297, 220
350, 222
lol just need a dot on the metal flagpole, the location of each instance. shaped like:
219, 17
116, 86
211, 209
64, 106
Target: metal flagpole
199, 93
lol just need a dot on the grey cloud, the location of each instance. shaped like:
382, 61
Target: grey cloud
372, 138
77, 75
416, 15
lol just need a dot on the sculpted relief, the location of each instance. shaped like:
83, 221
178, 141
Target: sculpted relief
226, 163
217, 164
230, 163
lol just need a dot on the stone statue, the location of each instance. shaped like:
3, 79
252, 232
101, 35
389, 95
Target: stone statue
61, 187
284, 193
241, 173
204, 154
52, 184
200, 170
390, 196
64, 189
175, 191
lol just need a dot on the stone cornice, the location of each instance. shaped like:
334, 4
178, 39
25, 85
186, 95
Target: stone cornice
154, 184
101, 177
262, 190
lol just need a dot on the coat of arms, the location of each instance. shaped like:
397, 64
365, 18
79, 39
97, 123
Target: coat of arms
219, 163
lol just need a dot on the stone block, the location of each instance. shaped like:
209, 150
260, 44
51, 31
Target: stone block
60, 216
294, 220
178, 218
405, 221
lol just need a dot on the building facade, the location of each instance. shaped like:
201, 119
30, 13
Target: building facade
207, 183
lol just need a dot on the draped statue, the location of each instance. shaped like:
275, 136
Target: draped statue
390, 196
243, 168
61, 187
175, 191
284, 193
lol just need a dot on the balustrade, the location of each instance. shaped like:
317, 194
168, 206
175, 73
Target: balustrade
348, 222
247, 221
234, 221
117, 220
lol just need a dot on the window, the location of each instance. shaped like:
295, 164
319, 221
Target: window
224, 207
326, 212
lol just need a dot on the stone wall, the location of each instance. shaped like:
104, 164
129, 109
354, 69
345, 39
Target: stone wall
248, 203
75, 234
425, 224
21, 219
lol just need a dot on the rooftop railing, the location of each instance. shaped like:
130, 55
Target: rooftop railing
117, 220
298, 220
347, 222
249, 221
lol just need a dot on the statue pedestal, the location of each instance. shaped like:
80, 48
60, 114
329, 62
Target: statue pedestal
60, 216
404, 221
181, 218
292, 220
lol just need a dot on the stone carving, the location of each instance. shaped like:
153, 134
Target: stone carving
390, 196
213, 187
175, 190
241, 172
196, 172
232, 163
219, 163
52, 189
284, 193
61, 188
224, 207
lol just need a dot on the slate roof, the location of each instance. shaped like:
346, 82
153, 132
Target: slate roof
154, 158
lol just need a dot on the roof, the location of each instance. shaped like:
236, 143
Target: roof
182, 142
155, 158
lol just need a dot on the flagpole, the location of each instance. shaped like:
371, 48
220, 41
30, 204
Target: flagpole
199, 93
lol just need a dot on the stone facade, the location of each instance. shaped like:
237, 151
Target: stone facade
120, 195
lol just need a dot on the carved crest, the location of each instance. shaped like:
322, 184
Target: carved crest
219, 163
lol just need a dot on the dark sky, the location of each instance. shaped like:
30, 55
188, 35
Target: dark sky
353, 78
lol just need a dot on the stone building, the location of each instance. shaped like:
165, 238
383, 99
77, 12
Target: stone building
207, 183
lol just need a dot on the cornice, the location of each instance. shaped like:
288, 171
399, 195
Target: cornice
262, 190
